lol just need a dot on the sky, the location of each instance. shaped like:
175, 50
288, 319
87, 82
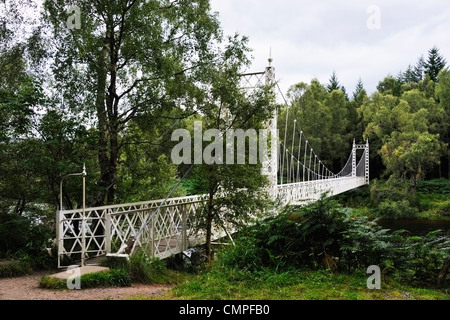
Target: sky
356, 39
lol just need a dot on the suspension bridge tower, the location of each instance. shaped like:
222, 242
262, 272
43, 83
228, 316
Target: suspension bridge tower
270, 162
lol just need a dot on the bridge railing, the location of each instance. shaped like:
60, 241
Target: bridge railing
168, 225
303, 193
163, 231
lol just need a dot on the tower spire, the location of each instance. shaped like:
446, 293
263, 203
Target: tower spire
270, 57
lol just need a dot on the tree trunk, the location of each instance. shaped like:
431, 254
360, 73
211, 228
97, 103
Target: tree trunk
108, 123
102, 127
112, 166
448, 155
20, 206
443, 272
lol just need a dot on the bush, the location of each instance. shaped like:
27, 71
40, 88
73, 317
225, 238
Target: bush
47, 282
143, 269
444, 209
420, 259
396, 209
303, 237
14, 268
437, 186
21, 239
14, 232
111, 278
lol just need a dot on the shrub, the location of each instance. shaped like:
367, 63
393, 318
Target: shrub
303, 237
14, 231
111, 278
396, 209
14, 268
420, 259
21, 239
47, 282
437, 186
143, 269
300, 237
444, 209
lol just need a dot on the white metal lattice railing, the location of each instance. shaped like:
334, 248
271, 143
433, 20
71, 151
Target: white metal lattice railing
303, 193
108, 229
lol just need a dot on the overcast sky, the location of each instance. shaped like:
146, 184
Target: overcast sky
355, 38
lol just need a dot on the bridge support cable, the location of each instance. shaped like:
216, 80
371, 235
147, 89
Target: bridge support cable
293, 169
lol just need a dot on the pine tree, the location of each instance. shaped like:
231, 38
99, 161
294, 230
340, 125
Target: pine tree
419, 69
434, 64
334, 83
358, 89
408, 76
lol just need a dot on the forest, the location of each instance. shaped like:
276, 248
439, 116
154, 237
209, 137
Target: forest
109, 94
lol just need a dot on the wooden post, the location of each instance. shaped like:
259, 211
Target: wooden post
184, 242
108, 232
152, 237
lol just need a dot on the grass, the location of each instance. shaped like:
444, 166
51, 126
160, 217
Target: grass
110, 278
225, 284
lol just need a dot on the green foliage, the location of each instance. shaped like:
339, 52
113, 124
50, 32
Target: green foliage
395, 199
437, 186
421, 258
299, 237
324, 116
143, 269
48, 282
434, 64
146, 270
14, 268
302, 237
356, 198
410, 146
13, 232
396, 209
20, 238
444, 209
110, 278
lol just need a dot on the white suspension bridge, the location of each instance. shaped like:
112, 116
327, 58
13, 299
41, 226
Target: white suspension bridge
167, 227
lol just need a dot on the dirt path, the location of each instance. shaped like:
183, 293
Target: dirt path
27, 288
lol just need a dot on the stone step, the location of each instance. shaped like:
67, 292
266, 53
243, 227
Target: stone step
64, 275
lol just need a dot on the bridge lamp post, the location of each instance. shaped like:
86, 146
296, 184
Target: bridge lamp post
309, 168
315, 160
83, 223
320, 172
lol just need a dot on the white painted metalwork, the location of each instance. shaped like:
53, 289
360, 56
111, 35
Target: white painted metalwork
111, 228
304, 193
